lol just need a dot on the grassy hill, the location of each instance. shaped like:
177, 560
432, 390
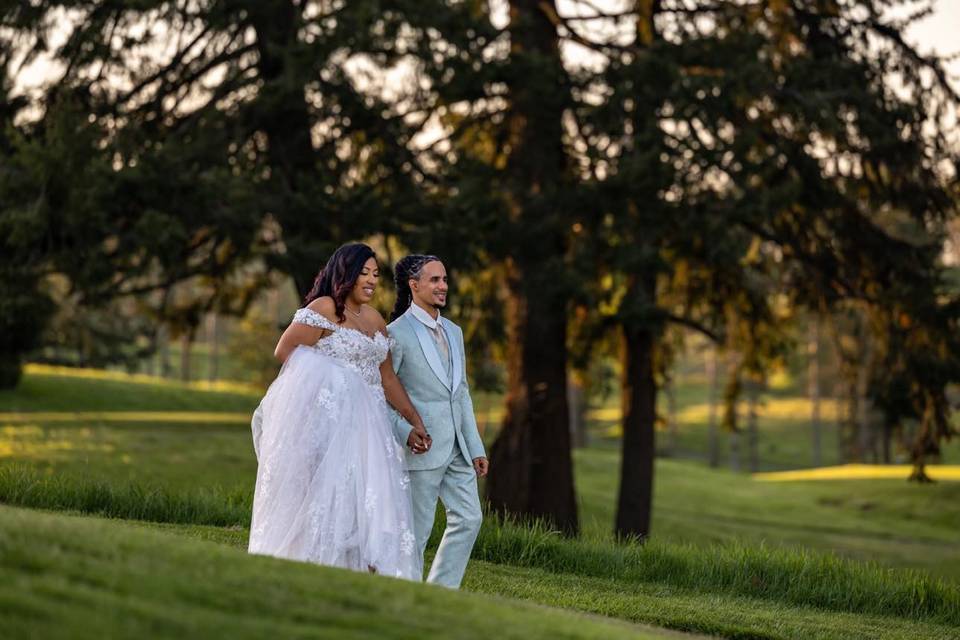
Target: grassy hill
890, 521
69, 577
730, 556
73, 576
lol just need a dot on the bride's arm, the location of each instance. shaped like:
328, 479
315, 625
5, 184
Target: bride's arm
397, 396
418, 439
297, 333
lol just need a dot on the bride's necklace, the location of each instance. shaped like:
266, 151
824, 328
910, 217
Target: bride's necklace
356, 313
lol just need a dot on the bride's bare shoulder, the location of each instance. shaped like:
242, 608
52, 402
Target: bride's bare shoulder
325, 306
375, 318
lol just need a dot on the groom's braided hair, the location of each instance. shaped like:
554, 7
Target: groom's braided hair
408, 267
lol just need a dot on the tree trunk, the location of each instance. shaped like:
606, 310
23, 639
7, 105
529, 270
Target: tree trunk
847, 435
163, 351
864, 435
639, 397
673, 436
531, 466
213, 337
713, 432
887, 438
734, 379
735, 451
186, 341
813, 388
753, 435
578, 410
532, 473
640, 333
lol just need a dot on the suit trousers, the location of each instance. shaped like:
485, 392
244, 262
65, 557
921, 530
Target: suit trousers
455, 484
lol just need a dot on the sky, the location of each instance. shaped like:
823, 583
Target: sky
936, 34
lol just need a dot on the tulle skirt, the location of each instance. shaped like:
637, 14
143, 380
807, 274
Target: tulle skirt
331, 487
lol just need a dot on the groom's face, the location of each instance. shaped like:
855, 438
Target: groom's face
431, 288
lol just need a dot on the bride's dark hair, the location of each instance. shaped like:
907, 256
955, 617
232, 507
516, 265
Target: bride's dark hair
407, 267
339, 275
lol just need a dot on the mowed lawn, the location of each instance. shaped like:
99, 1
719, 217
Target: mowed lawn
70, 577
67, 576
178, 495
890, 521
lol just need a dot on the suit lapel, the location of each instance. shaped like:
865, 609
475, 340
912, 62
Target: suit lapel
429, 348
456, 356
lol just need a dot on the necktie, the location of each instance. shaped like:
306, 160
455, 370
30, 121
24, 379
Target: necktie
442, 347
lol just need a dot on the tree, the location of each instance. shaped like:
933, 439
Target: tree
760, 144
22, 304
727, 165
183, 140
501, 178
532, 451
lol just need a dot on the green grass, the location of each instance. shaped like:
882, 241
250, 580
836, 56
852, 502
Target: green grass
67, 576
794, 577
63, 577
892, 522
176, 455
22, 486
52, 392
729, 556
695, 610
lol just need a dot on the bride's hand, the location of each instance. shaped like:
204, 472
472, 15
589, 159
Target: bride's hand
419, 440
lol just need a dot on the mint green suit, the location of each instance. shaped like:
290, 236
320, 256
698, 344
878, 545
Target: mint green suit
441, 395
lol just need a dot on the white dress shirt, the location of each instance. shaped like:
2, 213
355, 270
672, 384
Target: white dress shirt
436, 330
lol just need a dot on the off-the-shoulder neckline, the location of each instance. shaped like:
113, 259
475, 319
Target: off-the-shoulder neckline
340, 327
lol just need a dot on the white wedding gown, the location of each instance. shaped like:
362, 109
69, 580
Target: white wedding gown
331, 487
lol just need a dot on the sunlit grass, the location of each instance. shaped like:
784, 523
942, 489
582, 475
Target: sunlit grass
228, 386
772, 409
61, 390
860, 472
728, 555
192, 417
781, 409
33, 442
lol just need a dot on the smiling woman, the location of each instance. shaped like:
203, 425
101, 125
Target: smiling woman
331, 488
340, 293
341, 275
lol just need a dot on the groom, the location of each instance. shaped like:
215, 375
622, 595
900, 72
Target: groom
430, 361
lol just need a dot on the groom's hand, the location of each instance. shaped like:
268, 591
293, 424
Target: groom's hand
481, 465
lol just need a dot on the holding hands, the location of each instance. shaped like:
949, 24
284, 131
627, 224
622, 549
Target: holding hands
419, 440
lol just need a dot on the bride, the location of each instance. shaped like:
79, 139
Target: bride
331, 487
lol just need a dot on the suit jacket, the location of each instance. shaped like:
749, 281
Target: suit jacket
443, 401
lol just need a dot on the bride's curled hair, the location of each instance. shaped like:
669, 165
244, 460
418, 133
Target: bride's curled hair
339, 275
408, 267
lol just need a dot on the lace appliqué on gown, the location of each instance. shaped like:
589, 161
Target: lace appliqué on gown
331, 487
